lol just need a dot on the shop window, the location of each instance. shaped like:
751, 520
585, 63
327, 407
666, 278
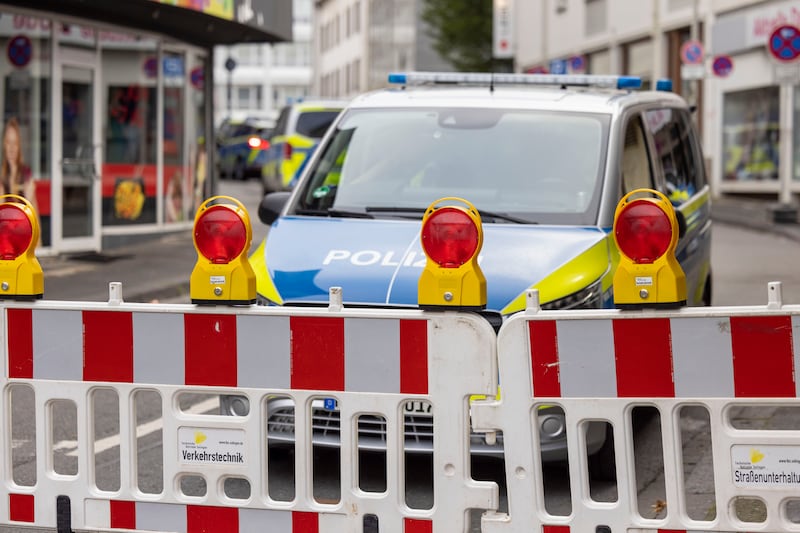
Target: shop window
636, 171
175, 163
129, 170
25, 92
750, 134
675, 143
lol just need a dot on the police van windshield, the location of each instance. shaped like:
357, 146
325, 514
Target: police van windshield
538, 166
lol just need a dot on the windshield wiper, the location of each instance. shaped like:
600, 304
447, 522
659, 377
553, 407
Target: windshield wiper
333, 213
484, 214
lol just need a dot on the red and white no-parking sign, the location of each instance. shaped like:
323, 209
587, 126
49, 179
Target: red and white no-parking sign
784, 43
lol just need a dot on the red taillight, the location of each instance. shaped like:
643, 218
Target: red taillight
254, 142
287, 151
450, 237
643, 231
16, 232
220, 234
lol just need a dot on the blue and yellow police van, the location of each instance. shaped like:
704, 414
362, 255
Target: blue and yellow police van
545, 159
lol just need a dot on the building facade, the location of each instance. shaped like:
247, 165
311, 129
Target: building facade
107, 113
266, 76
746, 98
358, 42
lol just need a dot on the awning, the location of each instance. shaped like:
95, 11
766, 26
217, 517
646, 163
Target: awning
250, 20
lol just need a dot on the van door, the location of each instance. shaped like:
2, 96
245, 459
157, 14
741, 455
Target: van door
679, 165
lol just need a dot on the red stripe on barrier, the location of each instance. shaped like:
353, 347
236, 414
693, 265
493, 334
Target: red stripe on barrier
201, 519
21, 508
555, 529
643, 349
20, 343
763, 363
305, 522
123, 514
414, 525
414, 356
210, 355
107, 346
545, 375
317, 353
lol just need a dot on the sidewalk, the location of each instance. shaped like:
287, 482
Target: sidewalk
160, 269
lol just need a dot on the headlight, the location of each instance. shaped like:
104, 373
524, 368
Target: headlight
590, 297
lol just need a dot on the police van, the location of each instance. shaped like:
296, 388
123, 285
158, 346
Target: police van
545, 159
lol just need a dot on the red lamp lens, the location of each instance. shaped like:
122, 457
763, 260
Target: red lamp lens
16, 232
643, 231
450, 237
220, 234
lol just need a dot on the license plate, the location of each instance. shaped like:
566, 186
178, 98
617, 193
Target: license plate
418, 407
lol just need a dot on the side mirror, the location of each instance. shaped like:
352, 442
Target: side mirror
271, 206
681, 223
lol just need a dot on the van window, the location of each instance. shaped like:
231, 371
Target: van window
314, 124
675, 143
636, 170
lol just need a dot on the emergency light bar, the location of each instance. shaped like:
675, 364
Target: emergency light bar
489, 78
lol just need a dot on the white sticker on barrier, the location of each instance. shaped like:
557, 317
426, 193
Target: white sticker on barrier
211, 446
766, 466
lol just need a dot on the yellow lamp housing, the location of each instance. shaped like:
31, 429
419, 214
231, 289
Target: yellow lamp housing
451, 237
646, 234
222, 235
21, 276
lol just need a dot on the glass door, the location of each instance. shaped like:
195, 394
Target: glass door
78, 204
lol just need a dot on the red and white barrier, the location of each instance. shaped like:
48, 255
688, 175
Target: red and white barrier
369, 361
599, 365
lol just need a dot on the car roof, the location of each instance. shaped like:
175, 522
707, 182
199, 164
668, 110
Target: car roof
540, 98
306, 105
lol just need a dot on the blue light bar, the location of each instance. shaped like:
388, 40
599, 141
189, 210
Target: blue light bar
664, 84
629, 82
492, 79
397, 78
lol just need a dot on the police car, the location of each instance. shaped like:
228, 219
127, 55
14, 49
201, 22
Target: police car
544, 158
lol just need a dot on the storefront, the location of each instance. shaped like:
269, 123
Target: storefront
107, 110
755, 104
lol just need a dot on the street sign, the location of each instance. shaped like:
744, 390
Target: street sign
784, 43
558, 66
692, 52
19, 50
722, 65
693, 72
503, 29
577, 64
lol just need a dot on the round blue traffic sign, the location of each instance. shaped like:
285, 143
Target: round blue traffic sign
20, 50
784, 43
722, 66
692, 53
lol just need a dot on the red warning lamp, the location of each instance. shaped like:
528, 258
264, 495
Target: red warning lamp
643, 231
21, 276
451, 238
222, 235
646, 233
16, 232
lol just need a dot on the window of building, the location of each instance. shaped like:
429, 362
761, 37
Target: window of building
599, 62
637, 60
750, 134
596, 17
357, 17
675, 144
248, 97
